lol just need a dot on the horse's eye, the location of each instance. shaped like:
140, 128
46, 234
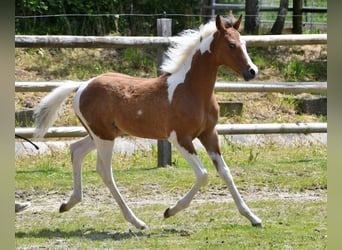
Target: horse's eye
232, 46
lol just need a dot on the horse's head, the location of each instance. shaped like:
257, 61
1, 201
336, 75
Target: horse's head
231, 49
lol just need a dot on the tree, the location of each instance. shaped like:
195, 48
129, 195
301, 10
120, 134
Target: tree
278, 25
251, 17
127, 17
297, 19
206, 12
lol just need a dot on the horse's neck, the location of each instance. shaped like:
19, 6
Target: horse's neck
201, 77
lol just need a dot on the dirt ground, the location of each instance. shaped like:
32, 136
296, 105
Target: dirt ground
51, 201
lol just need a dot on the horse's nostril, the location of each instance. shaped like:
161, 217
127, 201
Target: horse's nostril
252, 72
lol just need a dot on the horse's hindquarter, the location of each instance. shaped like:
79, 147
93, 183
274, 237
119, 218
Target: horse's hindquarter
113, 104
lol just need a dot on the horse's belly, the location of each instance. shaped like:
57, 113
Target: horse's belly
146, 127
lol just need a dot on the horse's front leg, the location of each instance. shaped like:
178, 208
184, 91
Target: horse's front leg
79, 150
211, 143
188, 152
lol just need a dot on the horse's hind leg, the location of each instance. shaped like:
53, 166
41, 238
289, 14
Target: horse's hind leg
79, 150
104, 168
211, 143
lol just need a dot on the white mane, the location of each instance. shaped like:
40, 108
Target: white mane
189, 41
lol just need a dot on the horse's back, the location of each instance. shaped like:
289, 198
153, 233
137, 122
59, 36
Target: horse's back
115, 103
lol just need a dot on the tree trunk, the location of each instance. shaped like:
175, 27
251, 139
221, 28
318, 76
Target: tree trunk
297, 20
278, 25
251, 18
206, 13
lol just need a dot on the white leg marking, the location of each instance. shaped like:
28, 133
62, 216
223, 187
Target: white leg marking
79, 150
104, 168
228, 179
201, 177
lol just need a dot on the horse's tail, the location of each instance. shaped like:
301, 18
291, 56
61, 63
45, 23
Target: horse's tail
48, 109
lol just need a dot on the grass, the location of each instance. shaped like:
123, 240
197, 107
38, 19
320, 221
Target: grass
295, 168
296, 221
285, 229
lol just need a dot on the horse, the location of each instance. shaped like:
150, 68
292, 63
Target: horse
179, 105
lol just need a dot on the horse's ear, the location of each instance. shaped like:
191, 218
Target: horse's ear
237, 23
219, 24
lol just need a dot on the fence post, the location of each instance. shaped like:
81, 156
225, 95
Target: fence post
164, 147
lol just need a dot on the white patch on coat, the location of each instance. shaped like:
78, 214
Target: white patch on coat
76, 102
249, 61
179, 77
205, 44
179, 57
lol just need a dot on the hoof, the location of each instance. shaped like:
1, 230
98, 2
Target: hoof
167, 213
19, 207
142, 227
258, 224
139, 224
63, 208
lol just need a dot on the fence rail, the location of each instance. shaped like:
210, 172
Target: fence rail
31, 41
242, 7
264, 128
161, 42
282, 87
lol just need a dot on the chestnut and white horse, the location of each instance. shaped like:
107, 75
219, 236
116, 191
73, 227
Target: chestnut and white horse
179, 106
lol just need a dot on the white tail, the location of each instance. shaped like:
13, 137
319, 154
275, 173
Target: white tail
49, 107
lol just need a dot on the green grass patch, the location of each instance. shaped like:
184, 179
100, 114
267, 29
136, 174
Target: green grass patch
211, 221
288, 226
291, 168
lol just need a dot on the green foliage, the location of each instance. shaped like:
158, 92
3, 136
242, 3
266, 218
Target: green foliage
114, 22
299, 71
126, 17
63, 25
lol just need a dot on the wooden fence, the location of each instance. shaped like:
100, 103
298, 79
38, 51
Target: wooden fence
27, 41
162, 42
222, 129
281, 87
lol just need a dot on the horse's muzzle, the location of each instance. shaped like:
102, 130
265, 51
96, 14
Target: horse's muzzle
250, 73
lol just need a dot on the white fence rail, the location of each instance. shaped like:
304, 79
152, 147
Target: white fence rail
31, 41
282, 87
266, 128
